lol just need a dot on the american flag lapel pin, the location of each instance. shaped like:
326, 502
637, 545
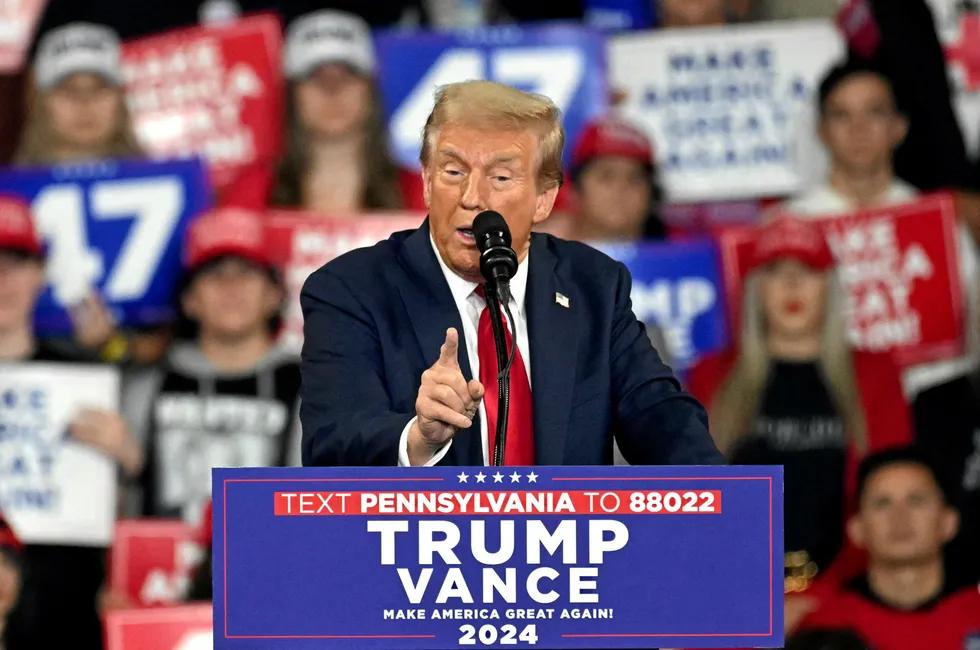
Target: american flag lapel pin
562, 300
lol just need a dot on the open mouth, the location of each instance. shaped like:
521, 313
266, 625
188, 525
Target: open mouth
466, 234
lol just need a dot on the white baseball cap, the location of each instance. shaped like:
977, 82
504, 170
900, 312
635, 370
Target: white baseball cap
78, 47
328, 37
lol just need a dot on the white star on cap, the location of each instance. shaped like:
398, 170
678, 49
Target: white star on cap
462, 477
480, 477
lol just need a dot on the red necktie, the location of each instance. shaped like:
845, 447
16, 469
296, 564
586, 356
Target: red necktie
520, 429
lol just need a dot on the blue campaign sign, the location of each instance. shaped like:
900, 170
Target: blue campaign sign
677, 286
116, 227
540, 557
565, 63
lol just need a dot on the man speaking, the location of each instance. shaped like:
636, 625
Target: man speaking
399, 360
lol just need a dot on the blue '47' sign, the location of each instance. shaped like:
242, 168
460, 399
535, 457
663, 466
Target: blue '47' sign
372, 558
113, 227
566, 64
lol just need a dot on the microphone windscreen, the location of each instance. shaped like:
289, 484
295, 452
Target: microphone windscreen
487, 223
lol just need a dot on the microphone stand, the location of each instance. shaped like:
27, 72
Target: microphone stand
503, 376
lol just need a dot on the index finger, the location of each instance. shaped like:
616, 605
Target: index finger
449, 352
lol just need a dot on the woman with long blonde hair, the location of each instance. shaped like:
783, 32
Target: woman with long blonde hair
78, 109
795, 393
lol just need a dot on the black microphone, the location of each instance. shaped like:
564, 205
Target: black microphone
498, 264
498, 261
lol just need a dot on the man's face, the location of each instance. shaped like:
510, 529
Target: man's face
860, 126
903, 518
21, 280
232, 299
472, 170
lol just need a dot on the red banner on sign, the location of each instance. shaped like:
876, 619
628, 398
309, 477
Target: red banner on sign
17, 21
214, 91
303, 242
900, 272
153, 561
170, 628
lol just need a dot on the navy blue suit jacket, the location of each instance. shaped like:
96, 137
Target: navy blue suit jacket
375, 319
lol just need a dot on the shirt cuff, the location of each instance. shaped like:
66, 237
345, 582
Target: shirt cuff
403, 449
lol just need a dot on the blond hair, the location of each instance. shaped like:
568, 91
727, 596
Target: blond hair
494, 106
738, 401
38, 143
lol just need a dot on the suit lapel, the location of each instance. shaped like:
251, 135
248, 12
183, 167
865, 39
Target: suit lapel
554, 350
432, 311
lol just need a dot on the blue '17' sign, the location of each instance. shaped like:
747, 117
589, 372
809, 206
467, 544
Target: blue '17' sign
564, 63
678, 288
528, 557
112, 227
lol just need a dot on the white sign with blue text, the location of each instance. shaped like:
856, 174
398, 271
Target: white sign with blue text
54, 490
730, 110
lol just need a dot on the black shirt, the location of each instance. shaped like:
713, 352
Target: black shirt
947, 426
798, 427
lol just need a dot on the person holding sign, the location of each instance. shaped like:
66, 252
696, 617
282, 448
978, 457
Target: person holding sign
79, 114
794, 392
861, 127
398, 359
336, 159
61, 581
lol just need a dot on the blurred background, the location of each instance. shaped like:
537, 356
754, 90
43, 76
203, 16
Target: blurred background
793, 184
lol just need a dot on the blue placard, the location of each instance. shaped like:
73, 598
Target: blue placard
678, 287
116, 227
541, 557
566, 63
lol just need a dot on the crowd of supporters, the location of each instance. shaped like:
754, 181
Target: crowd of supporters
882, 462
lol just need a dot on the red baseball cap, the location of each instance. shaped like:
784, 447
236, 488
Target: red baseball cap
226, 231
791, 238
17, 231
612, 137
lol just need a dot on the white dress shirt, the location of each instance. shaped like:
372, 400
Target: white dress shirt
470, 306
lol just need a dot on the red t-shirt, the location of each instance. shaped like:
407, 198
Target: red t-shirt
951, 622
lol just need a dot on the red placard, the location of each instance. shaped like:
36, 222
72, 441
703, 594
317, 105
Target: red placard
169, 628
153, 561
214, 91
303, 242
900, 272
18, 19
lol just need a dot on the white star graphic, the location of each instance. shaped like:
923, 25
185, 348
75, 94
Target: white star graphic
515, 478
480, 477
498, 478
532, 478
462, 477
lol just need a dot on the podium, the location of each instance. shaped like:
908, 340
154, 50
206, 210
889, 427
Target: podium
528, 557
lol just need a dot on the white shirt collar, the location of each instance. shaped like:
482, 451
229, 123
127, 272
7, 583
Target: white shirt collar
463, 289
